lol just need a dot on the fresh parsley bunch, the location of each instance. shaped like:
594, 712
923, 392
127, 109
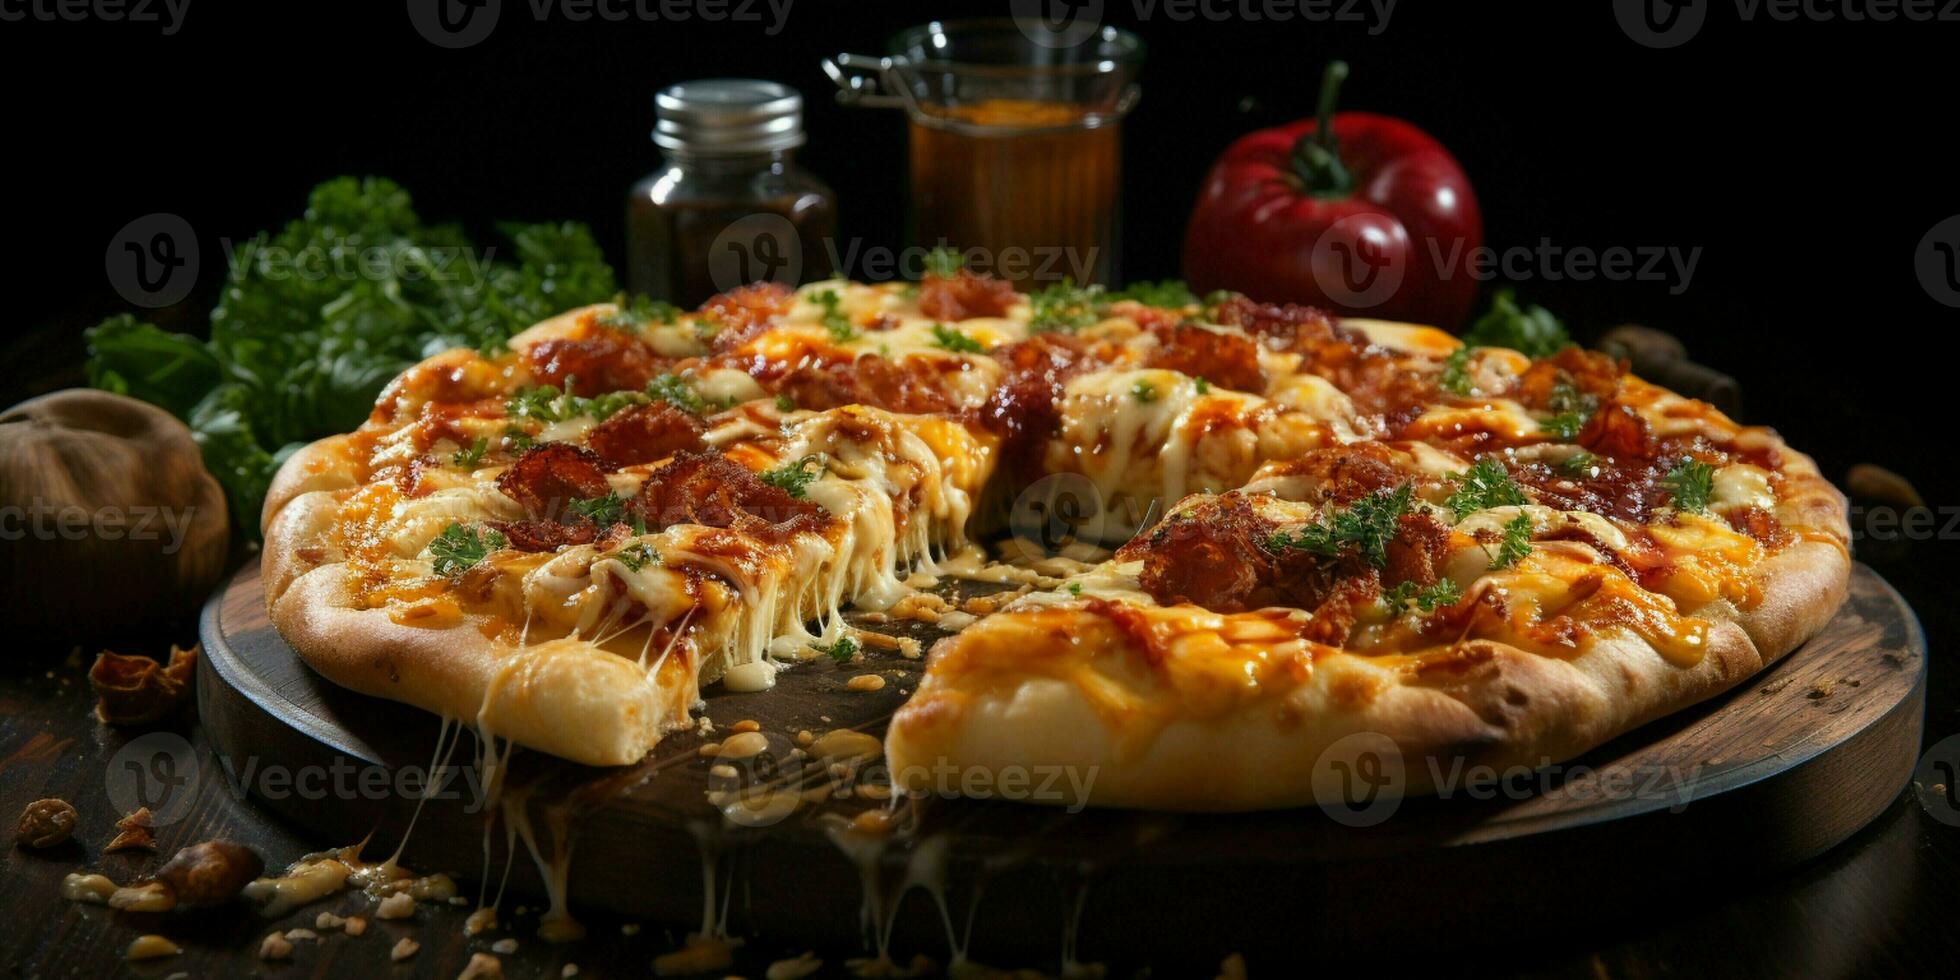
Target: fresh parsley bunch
316, 317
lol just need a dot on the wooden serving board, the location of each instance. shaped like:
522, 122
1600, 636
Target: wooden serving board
1771, 774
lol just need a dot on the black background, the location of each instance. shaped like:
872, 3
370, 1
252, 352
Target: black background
1806, 160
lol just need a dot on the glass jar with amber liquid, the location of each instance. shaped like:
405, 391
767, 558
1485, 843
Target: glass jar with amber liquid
1015, 139
731, 206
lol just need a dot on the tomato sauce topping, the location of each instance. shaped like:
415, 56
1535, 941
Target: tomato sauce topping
603, 360
547, 478
645, 433
964, 295
1223, 359
710, 489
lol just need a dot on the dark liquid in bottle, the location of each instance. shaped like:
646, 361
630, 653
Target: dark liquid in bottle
688, 240
1022, 181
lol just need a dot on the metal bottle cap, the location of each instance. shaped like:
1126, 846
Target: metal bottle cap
728, 116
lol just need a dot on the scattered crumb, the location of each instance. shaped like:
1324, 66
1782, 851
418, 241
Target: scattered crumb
705, 727
1777, 686
910, 648
1233, 968
1821, 689
746, 725
864, 683
404, 948
458, 901
702, 954
133, 833
482, 966
400, 905
328, 920
298, 935
275, 947
794, 969
355, 925
152, 947
506, 946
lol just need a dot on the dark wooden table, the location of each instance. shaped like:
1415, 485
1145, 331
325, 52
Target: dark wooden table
1878, 905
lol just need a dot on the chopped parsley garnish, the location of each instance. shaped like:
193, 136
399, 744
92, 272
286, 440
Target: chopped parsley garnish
1443, 593
1564, 426
472, 454
1579, 464
1515, 544
1692, 483
1484, 485
1064, 306
795, 478
1203, 387
1075, 588
535, 403
841, 651
636, 556
1366, 525
603, 407
1456, 372
1165, 293
1144, 391
604, 511
834, 319
785, 403
1572, 409
952, 339
1567, 398
1530, 329
944, 263
460, 546
546, 403
630, 316
519, 439
675, 391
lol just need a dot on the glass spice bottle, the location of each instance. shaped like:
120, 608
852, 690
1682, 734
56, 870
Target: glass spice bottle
730, 206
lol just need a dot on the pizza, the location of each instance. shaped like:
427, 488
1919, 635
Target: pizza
1335, 527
